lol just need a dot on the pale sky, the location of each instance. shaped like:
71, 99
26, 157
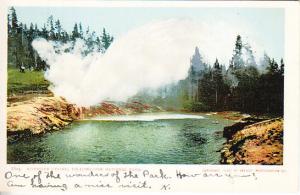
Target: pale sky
265, 24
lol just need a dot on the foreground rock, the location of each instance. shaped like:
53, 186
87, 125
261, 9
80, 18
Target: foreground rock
231, 130
258, 143
42, 114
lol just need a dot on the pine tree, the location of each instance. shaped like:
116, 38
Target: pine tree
31, 32
192, 84
11, 42
51, 28
271, 89
273, 67
281, 67
106, 39
98, 44
75, 32
8, 24
237, 61
65, 37
20, 47
44, 32
206, 90
218, 83
91, 42
36, 31
80, 31
14, 21
196, 61
196, 72
58, 30
20, 51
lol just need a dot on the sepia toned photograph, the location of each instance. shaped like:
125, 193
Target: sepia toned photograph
145, 85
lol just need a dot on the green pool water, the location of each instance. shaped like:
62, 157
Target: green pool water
161, 138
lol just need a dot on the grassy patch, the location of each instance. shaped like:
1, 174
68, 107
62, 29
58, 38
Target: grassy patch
29, 81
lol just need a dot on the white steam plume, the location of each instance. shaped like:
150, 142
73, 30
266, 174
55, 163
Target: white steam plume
150, 56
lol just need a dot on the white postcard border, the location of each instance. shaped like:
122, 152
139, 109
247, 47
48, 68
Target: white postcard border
285, 180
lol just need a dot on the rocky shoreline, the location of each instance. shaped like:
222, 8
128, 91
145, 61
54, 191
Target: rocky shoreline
44, 114
254, 141
39, 115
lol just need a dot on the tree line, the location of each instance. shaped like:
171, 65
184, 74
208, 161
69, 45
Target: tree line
243, 85
20, 36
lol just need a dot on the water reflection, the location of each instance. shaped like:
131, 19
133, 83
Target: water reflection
167, 141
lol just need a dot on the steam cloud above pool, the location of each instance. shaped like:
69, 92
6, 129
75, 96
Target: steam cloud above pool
149, 56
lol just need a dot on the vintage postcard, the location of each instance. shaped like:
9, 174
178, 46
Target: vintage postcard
149, 96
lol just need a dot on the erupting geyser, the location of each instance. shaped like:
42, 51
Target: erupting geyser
149, 56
